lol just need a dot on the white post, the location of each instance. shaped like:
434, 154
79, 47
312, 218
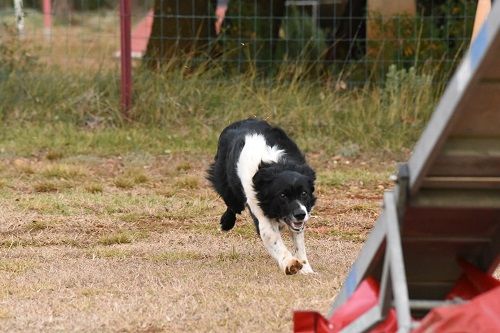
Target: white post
18, 6
483, 9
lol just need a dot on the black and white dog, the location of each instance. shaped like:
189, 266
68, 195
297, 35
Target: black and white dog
259, 166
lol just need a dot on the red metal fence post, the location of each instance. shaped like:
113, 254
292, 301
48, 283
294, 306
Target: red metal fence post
125, 57
47, 18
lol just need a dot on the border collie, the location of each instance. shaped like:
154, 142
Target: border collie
259, 166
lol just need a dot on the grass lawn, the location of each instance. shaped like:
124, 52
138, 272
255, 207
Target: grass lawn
103, 241
108, 225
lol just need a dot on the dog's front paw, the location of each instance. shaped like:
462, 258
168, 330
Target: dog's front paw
307, 269
293, 266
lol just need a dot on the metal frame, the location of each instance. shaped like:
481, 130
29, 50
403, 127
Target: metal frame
382, 253
126, 57
442, 120
302, 3
393, 289
314, 4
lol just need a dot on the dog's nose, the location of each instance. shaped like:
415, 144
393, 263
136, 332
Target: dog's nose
299, 216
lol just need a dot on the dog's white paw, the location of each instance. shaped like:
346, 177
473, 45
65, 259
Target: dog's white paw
293, 266
307, 269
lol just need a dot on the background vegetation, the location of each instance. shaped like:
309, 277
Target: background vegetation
108, 224
191, 105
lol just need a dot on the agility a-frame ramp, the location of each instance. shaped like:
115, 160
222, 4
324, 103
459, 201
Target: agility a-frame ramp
445, 207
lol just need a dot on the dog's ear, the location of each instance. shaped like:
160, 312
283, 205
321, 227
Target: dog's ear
264, 176
308, 172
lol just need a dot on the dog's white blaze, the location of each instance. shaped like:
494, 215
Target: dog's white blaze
255, 151
304, 209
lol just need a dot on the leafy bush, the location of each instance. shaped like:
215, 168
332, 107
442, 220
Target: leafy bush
434, 39
303, 41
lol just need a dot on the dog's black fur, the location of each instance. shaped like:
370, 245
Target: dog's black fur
279, 186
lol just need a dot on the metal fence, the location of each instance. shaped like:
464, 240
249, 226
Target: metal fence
358, 38
355, 40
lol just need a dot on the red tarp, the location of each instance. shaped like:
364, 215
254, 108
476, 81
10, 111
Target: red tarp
481, 314
362, 300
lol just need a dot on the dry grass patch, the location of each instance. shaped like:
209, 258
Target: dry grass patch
183, 166
53, 155
140, 178
23, 166
110, 253
151, 258
347, 235
47, 186
37, 225
121, 237
5, 313
183, 207
232, 255
165, 191
175, 256
246, 229
16, 265
10, 243
90, 292
124, 183
64, 171
46, 203
130, 178
94, 188
187, 183
353, 176
42, 242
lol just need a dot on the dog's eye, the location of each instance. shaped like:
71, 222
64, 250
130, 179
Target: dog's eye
283, 196
303, 194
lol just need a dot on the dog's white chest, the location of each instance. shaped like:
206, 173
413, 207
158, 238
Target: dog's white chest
255, 151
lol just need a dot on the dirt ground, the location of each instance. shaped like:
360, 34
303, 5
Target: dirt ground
131, 244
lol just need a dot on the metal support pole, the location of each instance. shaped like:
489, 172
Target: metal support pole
125, 57
362, 263
18, 7
397, 268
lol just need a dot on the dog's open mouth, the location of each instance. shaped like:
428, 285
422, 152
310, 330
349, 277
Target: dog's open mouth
294, 224
297, 226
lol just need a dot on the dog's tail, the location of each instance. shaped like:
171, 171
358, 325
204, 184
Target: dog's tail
227, 220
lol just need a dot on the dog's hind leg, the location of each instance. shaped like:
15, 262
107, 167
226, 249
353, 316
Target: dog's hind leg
228, 220
255, 220
234, 206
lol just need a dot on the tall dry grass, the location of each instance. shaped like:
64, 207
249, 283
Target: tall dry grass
199, 105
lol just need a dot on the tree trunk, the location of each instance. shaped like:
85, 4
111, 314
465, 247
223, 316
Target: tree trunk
63, 10
181, 30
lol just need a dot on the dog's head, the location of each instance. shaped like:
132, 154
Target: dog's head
286, 193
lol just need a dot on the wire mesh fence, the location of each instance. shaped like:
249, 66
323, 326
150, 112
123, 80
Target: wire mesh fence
355, 41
